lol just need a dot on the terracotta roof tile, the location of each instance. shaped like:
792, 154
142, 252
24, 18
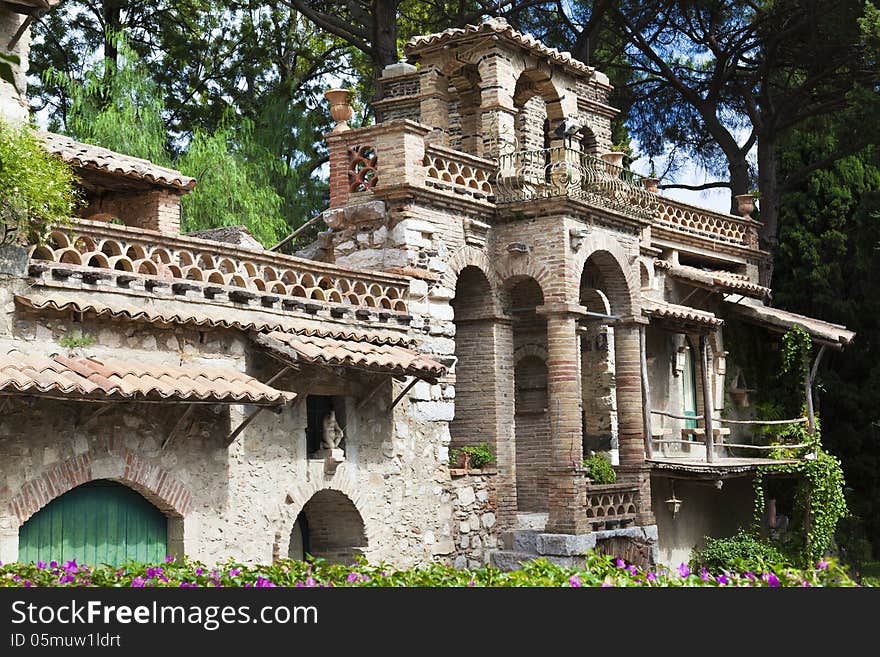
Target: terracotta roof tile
664, 310
836, 335
118, 380
166, 311
723, 280
89, 156
346, 353
497, 27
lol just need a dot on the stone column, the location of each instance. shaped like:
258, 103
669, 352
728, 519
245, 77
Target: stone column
505, 444
567, 485
633, 467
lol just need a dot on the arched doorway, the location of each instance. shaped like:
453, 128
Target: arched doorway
328, 527
531, 412
98, 522
472, 306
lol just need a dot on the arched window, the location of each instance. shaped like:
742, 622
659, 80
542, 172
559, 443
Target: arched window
99, 522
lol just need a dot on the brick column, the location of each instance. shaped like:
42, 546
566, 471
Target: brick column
630, 420
337, 145
567, 485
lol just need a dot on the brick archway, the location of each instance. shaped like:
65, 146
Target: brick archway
296, 500
469, 256
619, 271
157, 485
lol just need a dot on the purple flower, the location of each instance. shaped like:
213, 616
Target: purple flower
16, 578
823, 564
66, 579
750, 576
684, 571
138, 582
311, 581
772, 580
353, 577
235, 572
574, 581
704, 574
632, 569
651, 577
199, 571
27, 584
606, 584
722, 580
154, 572
53, 564
41, 565
169, 559
472, 583
262, 582
71, 567
805, 583
620, 563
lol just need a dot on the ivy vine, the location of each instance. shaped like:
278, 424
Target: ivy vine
819, 499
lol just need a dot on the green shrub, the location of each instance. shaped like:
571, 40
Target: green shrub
600, 470
480, 455
36, 188
742, 552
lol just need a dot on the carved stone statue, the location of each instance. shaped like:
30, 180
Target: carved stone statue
333, 434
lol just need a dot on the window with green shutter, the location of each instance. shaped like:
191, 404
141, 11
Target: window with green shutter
99, 522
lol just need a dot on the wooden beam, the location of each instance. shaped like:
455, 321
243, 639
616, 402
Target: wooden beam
366, 400
646, 394
809, 377
241, 427
403, 392
707, 398
98, 413
178, 428
299, 230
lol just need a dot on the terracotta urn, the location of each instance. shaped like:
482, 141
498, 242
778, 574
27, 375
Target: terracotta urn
651, 184
340, 107
614, 160
745, 204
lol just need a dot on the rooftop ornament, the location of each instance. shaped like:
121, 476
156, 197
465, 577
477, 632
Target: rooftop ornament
340, 108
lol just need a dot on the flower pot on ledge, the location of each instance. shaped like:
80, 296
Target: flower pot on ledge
340, 107
652, 185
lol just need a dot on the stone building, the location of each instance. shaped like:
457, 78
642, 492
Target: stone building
490, 274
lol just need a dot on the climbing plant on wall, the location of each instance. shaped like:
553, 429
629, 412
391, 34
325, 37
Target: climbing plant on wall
819, 498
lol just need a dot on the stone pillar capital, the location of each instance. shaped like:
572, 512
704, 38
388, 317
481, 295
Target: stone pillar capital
633, 320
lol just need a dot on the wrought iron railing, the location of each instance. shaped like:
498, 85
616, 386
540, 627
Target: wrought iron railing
562, 171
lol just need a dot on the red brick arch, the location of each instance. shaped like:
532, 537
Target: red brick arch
155, 483
620, 276
469, 256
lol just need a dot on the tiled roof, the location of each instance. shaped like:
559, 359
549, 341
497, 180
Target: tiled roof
346, 353
32, 4
498, 27
664, 310
118, 380
170, 311
88, 156
775, 318
724, 280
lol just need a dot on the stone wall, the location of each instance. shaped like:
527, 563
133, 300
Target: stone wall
240, 501
475, 528
13, 106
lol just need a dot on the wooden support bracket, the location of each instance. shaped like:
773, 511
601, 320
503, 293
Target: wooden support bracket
178, 428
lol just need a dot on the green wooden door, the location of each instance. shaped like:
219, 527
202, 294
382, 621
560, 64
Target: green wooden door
689, 387
98, 522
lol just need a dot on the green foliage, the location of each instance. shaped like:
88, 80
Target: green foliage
599, 469
36, 188
796, 347
117, 107
742, 552
76, 341
229, 190
479, 455
598, 571
819, 497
